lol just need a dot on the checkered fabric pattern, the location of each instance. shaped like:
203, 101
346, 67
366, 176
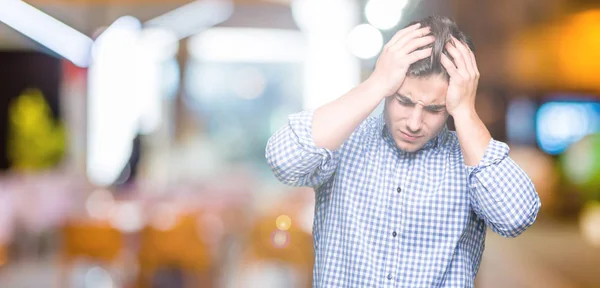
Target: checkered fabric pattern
387, 218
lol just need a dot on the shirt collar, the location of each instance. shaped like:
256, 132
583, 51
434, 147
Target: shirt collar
436, 142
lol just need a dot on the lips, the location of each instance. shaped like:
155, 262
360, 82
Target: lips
409, 137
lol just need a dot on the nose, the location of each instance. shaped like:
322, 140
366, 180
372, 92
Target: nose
415, 120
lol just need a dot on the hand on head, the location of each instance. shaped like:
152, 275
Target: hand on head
398, 54
464, 77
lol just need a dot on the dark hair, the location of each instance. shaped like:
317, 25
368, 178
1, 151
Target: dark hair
441, 28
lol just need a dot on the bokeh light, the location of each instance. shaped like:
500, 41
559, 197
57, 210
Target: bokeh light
280, 239
283, 222
127, 217
365, 41
579, 60
559, 124
164, 217
99, 204
98, 278
384, 14
590, 223
581, 164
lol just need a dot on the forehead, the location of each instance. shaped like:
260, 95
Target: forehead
429, 90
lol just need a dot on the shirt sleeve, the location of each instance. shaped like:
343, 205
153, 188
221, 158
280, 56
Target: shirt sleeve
294, 157
501, 193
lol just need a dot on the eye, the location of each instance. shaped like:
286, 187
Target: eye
435, 110
404, 102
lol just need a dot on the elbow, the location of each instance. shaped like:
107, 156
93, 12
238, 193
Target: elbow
281, 166
509, 203
517, 221
278, 166
283, 175
514, 229
297, 166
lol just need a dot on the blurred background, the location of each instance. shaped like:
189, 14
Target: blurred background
132, 133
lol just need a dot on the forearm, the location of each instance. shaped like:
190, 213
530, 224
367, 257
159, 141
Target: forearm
501, 192
472, 135
334, 122
503, 195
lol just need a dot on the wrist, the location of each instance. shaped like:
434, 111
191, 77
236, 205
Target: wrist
463, 112
465, 116
373, 87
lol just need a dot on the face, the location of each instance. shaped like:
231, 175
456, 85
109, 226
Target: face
417, 112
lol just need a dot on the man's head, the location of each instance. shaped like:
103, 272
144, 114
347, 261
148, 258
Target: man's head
417, 112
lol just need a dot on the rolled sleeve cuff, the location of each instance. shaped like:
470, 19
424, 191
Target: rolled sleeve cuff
495, 152
486, 177
301, 125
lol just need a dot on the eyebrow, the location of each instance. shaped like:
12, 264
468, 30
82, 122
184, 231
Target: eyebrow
429, 107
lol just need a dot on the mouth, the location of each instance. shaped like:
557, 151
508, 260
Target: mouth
409, 137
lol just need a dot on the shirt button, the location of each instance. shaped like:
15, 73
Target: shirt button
389, 277
394, 234
399, 189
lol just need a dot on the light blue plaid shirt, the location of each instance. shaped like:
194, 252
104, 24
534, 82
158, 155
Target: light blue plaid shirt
388, 218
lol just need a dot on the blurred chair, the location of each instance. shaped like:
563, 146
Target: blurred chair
292, 248
278, 237
91, 240
175, 247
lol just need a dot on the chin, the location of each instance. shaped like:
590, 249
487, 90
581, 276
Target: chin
409, 147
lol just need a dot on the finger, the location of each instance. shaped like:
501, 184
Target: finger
468, 55
474, 61
450, 67
414, 44
459, 61
465, 53
418, 55
401, 33
411, 35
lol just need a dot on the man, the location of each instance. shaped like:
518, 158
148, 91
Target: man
401, 201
